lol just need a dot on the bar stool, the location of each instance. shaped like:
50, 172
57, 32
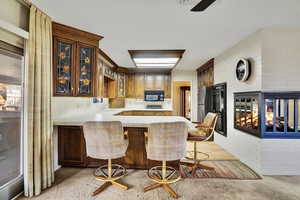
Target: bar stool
105, 140
203, 132
166, 142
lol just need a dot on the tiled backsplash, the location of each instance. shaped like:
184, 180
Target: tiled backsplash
131, 103
66, 106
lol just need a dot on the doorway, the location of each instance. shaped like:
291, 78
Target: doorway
185, 102
181, 95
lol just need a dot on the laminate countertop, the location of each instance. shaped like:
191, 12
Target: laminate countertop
111, 115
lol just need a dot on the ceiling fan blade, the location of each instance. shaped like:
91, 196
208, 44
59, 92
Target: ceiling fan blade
202, 5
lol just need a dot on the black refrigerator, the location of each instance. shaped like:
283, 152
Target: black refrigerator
213, 99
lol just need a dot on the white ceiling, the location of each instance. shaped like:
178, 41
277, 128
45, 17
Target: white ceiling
166, 24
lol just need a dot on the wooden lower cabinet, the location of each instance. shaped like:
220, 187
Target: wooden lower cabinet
72, 150
71, 146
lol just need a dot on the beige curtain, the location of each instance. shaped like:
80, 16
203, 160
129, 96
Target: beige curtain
38, 170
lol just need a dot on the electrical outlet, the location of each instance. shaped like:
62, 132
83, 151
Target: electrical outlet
96, 100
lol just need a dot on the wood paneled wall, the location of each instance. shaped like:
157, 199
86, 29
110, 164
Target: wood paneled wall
205, 76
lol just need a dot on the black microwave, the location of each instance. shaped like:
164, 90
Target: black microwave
154, 95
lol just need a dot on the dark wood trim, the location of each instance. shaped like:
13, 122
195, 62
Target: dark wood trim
11, 48
206, 65
65, 31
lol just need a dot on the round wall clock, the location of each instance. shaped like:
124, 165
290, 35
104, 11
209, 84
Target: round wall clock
243, 69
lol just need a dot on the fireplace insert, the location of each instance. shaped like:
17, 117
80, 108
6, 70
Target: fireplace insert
268, 114
247, 112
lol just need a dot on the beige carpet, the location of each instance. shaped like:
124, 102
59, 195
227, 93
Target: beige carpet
228, 169
78, 184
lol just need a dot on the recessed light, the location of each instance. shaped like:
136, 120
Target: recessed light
155, 60
156, 65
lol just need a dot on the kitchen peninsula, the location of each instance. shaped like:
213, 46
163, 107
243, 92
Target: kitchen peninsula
88, 85
71, 143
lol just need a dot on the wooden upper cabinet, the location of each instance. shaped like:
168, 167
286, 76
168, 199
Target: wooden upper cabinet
74, 61
155, 81
149, 81
139, 85
167, 85
138, 82
159, 82
121, 85
130, 85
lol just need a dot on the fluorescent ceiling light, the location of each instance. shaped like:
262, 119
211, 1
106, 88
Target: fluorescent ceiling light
155, 60
156, 65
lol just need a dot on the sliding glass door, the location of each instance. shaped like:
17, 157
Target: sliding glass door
11, 115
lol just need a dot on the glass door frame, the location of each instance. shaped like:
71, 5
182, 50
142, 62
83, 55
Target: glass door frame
16, 186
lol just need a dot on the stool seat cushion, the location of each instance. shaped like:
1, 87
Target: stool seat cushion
195, 132
196, 138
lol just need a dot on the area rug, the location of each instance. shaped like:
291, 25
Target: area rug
229, 169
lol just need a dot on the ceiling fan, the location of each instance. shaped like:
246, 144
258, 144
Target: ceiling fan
202, 5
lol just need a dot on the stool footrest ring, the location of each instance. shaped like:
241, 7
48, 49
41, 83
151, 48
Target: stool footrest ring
118, 171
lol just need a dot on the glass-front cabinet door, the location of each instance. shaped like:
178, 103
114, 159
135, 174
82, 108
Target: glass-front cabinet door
85, 71
63, 66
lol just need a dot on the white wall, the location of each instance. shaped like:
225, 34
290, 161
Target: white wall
240, 144
281, 71
191, 76
281, 60
274, 55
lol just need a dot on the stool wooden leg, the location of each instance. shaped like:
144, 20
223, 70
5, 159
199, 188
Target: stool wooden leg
119, 185
152, 187
170, 190
205, 167
101, 188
